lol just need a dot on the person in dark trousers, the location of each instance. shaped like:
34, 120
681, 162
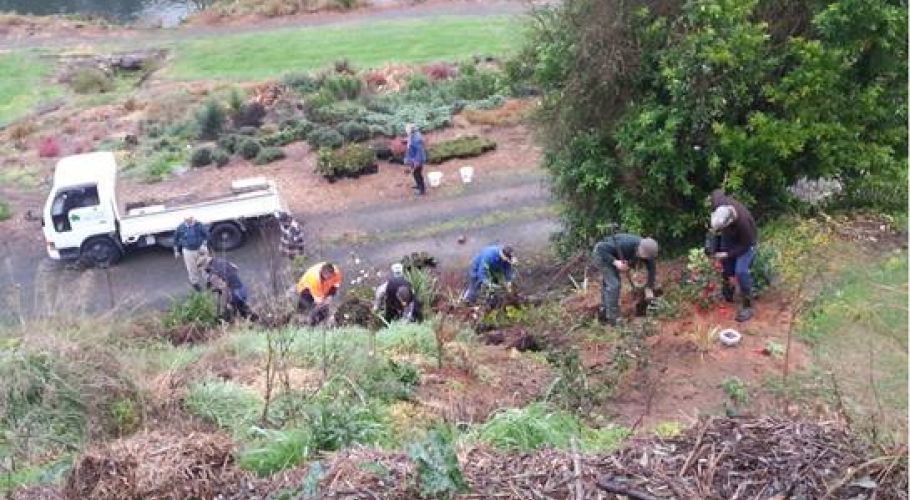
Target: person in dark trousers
224, 279
290, 243
492, 266
416, 157
618, 254
396, 298
733, 224
316, 290
190, 239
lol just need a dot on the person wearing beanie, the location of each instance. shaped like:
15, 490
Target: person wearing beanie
494, 265
416, 157
734, 227
395, 297
617, 254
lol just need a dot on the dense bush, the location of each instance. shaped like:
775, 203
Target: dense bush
354, 131
197, 309
201, 157
473, 83
248, 148
228, 143
645, 115
350, 161
303, 83
336, 112
220, 157
343, 87
91, 81
268, 155
249, 114
210, 120
296, 131
462, 147
324, 137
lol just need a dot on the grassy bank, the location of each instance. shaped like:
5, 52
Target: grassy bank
22, 86
269, 54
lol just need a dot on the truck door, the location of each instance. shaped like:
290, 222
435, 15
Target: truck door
77, 214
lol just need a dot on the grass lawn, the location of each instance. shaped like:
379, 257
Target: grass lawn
858, 330
21, 85
270, 54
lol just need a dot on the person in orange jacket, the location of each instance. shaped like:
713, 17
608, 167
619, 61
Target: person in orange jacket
316, 289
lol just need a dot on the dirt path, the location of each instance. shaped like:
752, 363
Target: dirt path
137, 37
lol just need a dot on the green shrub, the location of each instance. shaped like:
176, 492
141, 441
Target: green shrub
5, 210
227, 404
354, 131
334, 425
539, 426
388, 381
346, 4
201, 157
268, 155
473, 83
210, 120
197, 309
352, 160
336, 112
91, 81
275, 450
248, 148
343, 87
296, 131
324, 138
220, 157
424, 283
303, 83
463, 147
228, 143
438, 472
418, 81
250, 114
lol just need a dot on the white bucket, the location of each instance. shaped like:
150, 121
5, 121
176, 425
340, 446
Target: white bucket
467, 174
435, 178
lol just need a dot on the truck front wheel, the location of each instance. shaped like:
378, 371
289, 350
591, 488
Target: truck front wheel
225, 236
100, 251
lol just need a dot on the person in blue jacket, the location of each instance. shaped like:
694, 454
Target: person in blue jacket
492, 266
416, 157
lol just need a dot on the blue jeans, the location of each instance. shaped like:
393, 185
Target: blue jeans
740, 267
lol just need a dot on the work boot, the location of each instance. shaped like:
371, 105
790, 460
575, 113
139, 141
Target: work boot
745, 312
603, 319
727, 291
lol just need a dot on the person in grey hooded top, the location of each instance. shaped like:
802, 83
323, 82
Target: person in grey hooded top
733, 224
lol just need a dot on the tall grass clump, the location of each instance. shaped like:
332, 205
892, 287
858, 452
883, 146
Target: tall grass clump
275, 450
227, 404
540, 426
197, 309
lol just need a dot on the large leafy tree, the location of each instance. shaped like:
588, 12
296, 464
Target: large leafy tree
650, 105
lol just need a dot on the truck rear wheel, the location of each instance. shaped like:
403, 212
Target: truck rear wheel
226, 236
100, 251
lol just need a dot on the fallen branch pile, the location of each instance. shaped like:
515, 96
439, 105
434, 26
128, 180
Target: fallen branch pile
738, 458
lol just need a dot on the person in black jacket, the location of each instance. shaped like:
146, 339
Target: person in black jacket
734, 225
396, 298
617, 254
223, 278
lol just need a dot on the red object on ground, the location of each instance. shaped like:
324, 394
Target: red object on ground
48, 147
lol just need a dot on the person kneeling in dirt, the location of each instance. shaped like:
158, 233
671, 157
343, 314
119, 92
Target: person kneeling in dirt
738, 234
316, 289
493, 266
615, 255
396, 298
222, 278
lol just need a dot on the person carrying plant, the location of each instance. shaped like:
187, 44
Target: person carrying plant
493, 266
618, 254
190, 240
316, 289
396, 298
733, 224
223, 278
416, 157
290, 243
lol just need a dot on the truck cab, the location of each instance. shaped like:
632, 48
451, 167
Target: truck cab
80, 215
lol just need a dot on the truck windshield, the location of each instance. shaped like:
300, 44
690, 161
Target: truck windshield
69, 200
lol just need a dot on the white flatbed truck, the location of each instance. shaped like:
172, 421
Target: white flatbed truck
82, 218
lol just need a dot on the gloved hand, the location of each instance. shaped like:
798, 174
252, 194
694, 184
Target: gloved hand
620, 265
721, 255
649, 294
509, 287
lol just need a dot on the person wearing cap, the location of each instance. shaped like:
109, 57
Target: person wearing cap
732, 222
290, 243
396, 298
316, 289
190, 240
492, 266
617, 254
416, 157
223, 277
